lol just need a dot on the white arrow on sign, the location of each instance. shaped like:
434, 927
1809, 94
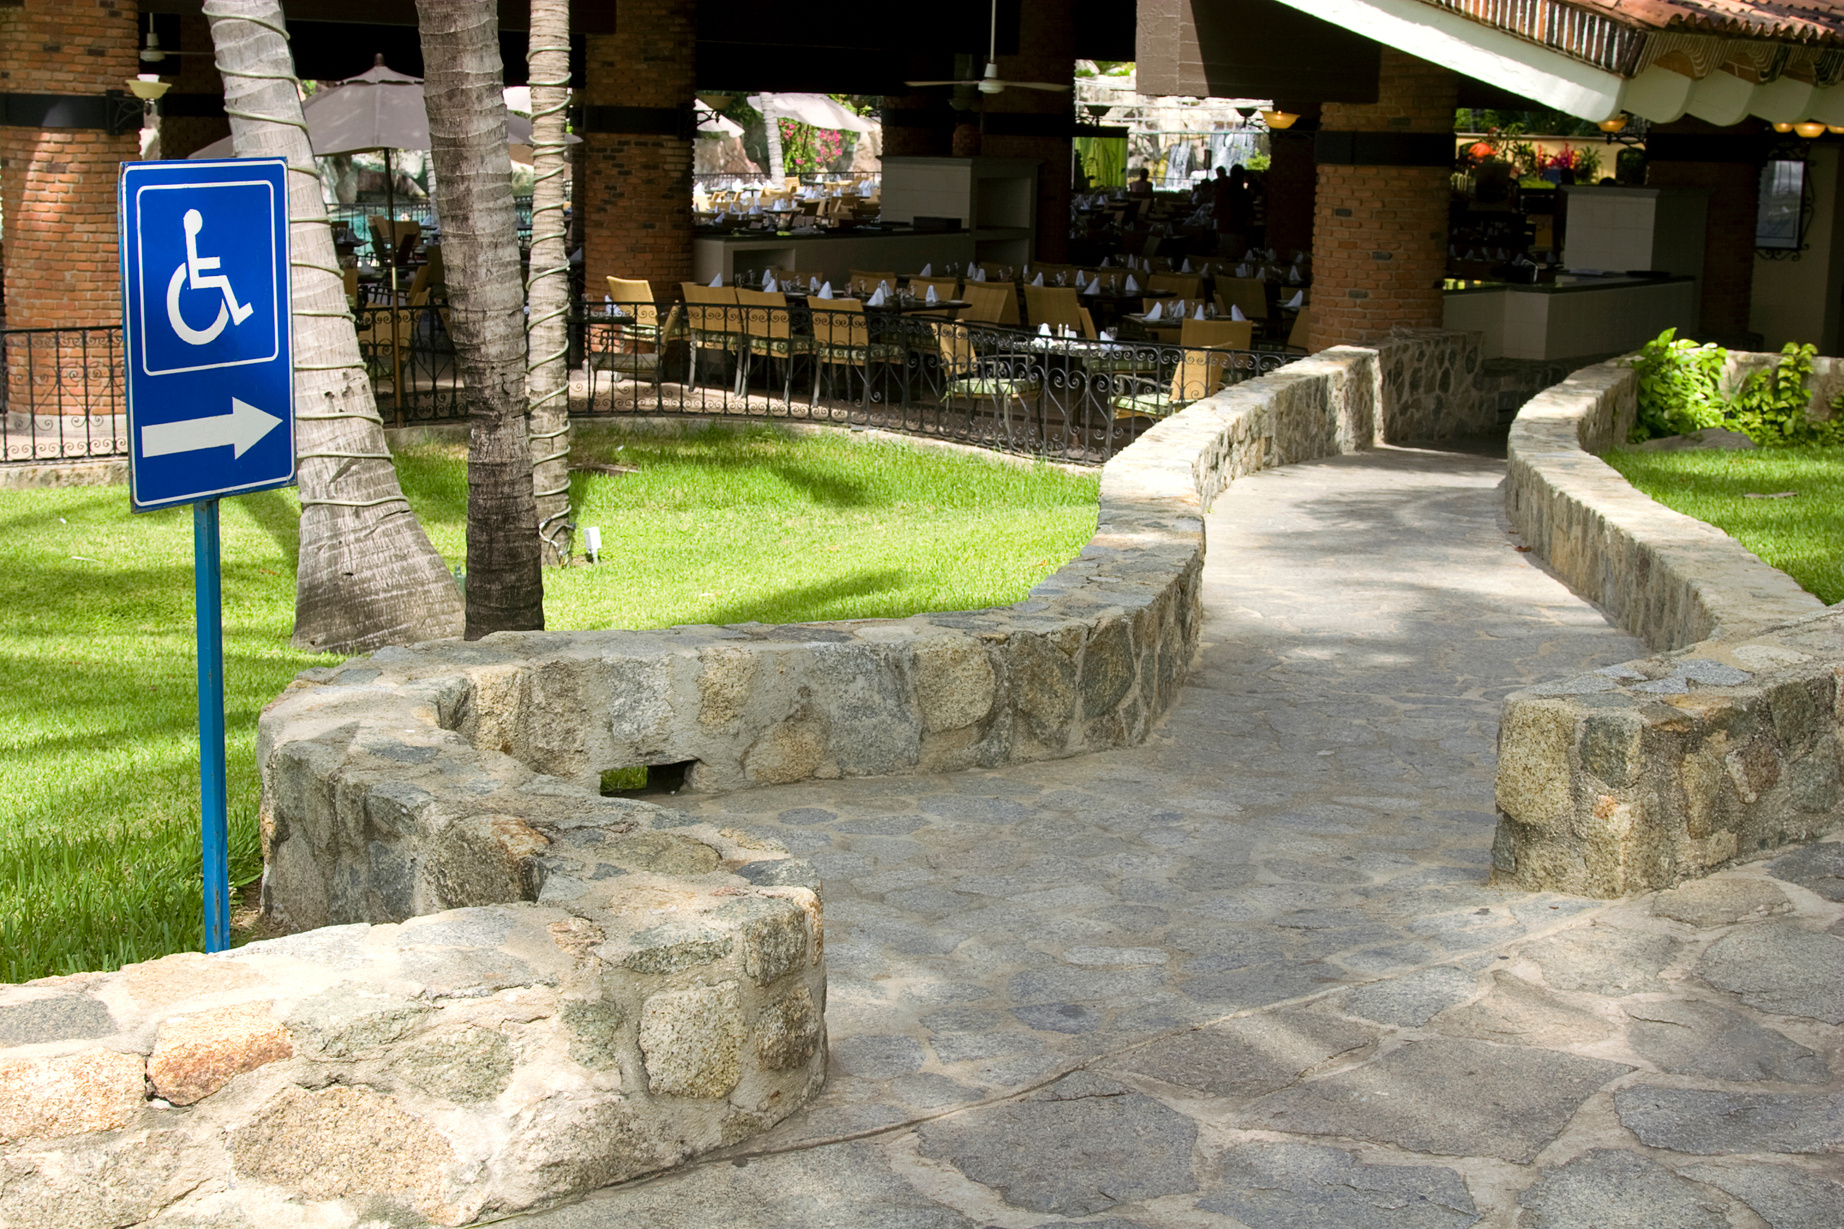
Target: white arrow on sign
241, 429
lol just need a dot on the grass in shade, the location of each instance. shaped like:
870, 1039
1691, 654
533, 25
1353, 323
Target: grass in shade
99, 862
1801, 533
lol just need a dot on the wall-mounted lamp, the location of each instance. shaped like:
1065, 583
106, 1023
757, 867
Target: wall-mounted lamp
1279, 120
148, 87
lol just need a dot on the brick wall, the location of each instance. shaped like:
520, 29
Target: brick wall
1293, 182
59, 193
192, 74
1728, 245
637, 211
1380, 232
1046, 41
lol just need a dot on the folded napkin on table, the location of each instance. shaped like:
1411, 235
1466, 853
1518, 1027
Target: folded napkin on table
932, 296
1293, 276
1133, 287
717, 282
1043, 330
1039, 279
768, 280
1235, 313
1093, 287
1155, 312
1199, 315
1298, 299
1187, 265
928, 270
877, 297
826, 291
770, 286
979, 275
1107, 334
813, 284
1244, 271
1104, 262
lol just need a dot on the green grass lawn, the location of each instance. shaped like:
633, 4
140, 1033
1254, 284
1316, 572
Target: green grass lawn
1801, 534
99, 859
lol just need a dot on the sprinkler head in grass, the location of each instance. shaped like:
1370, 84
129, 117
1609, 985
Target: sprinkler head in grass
592, 542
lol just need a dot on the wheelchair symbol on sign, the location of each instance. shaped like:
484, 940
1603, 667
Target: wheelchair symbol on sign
194, 274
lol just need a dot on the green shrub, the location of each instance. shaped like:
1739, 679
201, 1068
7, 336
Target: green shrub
1680, 387
1680, 391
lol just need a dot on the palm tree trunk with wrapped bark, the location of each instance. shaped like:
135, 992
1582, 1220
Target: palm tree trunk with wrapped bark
547, 380
367, 575
463, 90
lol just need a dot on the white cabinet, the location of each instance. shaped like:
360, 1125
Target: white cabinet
994, 198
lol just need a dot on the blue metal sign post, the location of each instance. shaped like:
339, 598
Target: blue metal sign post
210, 384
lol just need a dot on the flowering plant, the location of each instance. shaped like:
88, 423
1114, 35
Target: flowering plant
807, 149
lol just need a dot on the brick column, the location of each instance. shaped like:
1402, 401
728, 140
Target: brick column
1046, 44
1293, 183
637, 209
195, 84
59, 200
1728, 242
1380, 231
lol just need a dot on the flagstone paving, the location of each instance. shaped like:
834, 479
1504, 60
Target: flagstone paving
1249, 973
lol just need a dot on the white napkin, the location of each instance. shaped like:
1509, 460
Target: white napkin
770, 286
928, 270
755, 209
1200, 312
932, 296
1244, 271
1039, 279
1271, 254
826, 291
877, 297
1293, 276
979, 275
1175, 309
1187, 266
1043, 330
768, 280
717, 282
813, 284
1094, 286
1133, 287
1107, 334
1105, 263
1155, 312
1251, 254
1235, 313
1261, 274
1298, 299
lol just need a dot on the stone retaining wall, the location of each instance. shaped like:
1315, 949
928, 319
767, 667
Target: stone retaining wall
1722, 749
508, 988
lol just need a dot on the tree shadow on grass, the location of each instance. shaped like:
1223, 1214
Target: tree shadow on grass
278, 518
811, 603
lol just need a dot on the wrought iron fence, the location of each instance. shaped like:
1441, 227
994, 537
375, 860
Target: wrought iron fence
907, 369
358, 219
62, 396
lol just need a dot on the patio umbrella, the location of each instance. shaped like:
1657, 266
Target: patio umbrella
816, 110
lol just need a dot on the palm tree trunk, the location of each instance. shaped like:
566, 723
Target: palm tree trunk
463, 90
547, 380
366, 576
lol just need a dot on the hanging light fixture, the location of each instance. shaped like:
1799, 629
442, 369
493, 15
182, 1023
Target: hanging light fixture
1279, 120
1613, 123
1809, 129
1783, 126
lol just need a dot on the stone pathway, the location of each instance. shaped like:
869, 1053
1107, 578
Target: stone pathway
1248, 974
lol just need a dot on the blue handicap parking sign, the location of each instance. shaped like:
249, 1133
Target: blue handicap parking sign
205, 312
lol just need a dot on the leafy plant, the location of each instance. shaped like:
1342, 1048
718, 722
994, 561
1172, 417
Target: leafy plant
1770, 406
1680, 387
1680, 391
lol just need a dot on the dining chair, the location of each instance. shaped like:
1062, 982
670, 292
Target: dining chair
842, 338
712, 317
1088, 325
864, 282
1244, 293
987, 302
945, 288
999, 382
1199, 374
1300, 338
766, 331
1185, 285
1055, 306
1220, 334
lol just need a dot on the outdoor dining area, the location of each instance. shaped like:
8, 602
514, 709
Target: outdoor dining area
1055, 358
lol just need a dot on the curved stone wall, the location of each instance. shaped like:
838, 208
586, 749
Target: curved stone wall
1724, 747
1669, 579
506, 988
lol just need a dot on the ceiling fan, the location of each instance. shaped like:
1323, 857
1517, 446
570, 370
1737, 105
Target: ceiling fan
990, 82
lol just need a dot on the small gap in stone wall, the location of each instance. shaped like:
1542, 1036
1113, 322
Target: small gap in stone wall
646, 780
